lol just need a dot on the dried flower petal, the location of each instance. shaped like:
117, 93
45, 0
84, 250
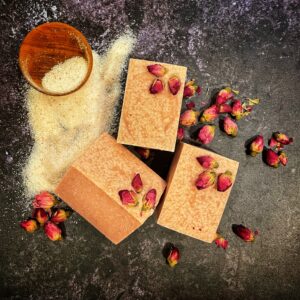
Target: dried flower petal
224, 181
190, 105
52, 231
206, 134
137, 183
40, 215
283, 158
174, 85
149, 200
225, 108
237, 109
180, 133
29, 225
230, 127
188, 118
44, 200
205, 179
60, 215
272, 158
253, 102
190, 89
173, 257
224, 95
221, 242
209, 114
143, 152
207, 162
156, 87
282, 138
157, 70
244, 233
128, 198
257, 145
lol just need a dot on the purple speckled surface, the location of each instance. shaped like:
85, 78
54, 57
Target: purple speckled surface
251, 45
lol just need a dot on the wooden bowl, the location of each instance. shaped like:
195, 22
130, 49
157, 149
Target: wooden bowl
48, 45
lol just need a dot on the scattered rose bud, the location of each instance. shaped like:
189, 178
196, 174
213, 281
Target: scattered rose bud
207, 162
209, 114
143, 152
180, 133
173, 257
225, 108
188, 118
206, 134
157, 70
244, 233
205, 179
257, 145
40, 215
283, 158
190, 89
274, 144
137, 183
44, 200
224, 181
60, 215
174, 85
29, 225
221, 242
149, 200
272, 158
156, 87
224, 95
282, 138
237, 109
128, 198
190, 105
52, 231
230, 127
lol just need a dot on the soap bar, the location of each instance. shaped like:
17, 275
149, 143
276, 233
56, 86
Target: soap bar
150, 120
193, 212
91, 187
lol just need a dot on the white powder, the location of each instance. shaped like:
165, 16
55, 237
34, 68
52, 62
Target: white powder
64, 126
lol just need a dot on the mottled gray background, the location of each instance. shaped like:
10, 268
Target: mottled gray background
251, 45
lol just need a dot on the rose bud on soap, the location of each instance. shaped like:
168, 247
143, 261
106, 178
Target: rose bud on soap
52, 231
173, 257
209, 114
128, 198
221, 242
157, 70
244, 233
44, 200
137, 183
205, 179
174, 85
237, 109
149, 200
207, 162
156, 87
283, 158
190, 89
224, 181
180, 133
190, 105
40, 215
272, 158
224, 95
206, 134
189, 118
224, 108
257, 145
230, 127
60, 215
282, 138
29, 225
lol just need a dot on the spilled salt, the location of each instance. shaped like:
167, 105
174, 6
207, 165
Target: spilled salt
63, 126
67, 76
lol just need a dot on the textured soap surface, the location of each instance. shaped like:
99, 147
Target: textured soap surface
92, 183
150, 120
196, 213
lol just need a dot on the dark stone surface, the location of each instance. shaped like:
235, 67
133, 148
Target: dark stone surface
252, 45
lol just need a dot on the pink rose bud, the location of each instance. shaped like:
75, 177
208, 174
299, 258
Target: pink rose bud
189, 118
230, 127
206, 134
128, 198
274, 144
60, 215
225, 108
40, 215
209, 114
205, 179
221, 242
44, 200
207, 162
156, 87
29, 225
157, 70
224, 181
52, 231
224, 95
174, 85
143, 152
257, 145
244, 233
137, 183
282, 138
190, 89
173, 257
180, 133
190, 105
237, 109
272, 158
149, 200
283, 158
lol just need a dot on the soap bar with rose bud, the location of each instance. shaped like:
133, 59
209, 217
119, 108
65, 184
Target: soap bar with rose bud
151, 105
186, 209
100, 184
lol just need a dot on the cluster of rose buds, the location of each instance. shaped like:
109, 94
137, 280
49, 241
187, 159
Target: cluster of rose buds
46, 214
129, 198
157, 86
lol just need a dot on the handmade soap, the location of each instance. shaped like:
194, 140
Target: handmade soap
91, 187
196, 213
150, 120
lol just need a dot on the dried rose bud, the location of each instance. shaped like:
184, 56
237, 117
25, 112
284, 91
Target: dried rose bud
190, 89
221, 242
190, 105
29, 225
173, 257
206, 134
205, 179
157, 70
143, 152
237, 109
224, 95
207, 162
180, 133
52, 231
225, 108
272, 158
224, 181
40, 215
283, 158
257, 145
244, 233
174, 85
44, 200
60, 215
156, 87
128, 198
137, 183
149, 200
209, 114
188, 118
230, 127
274, 144
282, 138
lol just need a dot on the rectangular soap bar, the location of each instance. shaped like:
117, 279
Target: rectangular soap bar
91, 186
196, 213
150, 120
